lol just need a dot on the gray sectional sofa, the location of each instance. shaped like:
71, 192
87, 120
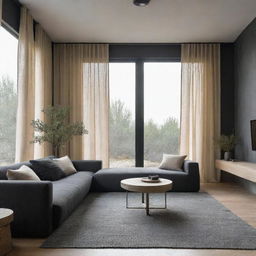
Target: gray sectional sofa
41, 206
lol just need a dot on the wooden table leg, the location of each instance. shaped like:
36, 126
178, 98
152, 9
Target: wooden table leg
142, 198
5, 240
6, 217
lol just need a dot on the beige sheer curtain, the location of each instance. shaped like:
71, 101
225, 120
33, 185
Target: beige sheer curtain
81, 82
68, 89
43, 82
96, 103
200, 107
34, 85
26, 88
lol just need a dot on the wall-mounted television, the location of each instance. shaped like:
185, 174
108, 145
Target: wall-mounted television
253, 134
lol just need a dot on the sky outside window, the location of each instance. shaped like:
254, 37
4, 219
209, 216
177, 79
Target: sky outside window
8, 96
162, 91
8, 55
162, 87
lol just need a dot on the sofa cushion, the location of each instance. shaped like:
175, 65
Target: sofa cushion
23, 173
172, 162
68, 194
65, 164
108, 180
46, 169
4, 169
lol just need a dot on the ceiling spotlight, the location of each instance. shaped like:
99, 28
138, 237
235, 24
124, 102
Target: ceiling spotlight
141, 2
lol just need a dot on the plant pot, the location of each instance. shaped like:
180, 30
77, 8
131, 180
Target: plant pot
227, 156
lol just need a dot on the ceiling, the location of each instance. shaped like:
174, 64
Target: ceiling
162, 21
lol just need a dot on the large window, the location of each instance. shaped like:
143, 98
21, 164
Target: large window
122, 114
158, 86
161, 110
8, 95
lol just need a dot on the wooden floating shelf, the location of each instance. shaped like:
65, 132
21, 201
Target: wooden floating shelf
244, 170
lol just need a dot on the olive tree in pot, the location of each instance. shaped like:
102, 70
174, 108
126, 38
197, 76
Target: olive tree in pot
56, 129
227, 144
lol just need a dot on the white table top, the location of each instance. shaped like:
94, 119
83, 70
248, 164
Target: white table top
137, 185
6, 216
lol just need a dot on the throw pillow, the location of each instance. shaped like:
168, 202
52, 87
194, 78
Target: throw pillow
172, 162
23, 173
46, 169
65, 165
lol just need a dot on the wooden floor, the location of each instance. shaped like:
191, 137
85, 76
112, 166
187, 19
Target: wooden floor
232, 196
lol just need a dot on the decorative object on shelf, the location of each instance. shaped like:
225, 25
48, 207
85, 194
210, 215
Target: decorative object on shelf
56, 129
227, 144
227, 156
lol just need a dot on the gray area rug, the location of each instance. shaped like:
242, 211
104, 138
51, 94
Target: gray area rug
192, 220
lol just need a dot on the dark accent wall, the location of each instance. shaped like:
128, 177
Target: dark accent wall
227, 88
244, 100
245, 91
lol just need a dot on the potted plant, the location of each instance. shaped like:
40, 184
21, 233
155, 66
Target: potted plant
56, 129
227, 144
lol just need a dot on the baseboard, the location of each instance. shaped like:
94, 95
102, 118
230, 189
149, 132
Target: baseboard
248, 185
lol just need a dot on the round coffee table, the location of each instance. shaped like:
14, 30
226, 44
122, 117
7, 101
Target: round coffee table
6, 217
137, 185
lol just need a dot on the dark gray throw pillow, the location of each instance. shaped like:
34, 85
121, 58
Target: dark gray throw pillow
46, 169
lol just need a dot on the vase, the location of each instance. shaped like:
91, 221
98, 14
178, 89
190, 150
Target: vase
227, 156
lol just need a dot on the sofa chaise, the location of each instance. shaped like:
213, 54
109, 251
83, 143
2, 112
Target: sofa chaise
41, 206
108, 180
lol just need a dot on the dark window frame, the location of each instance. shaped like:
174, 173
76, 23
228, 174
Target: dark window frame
11, 16
140, 54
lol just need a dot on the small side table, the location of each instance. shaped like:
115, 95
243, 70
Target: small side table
137, 185
6, 217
